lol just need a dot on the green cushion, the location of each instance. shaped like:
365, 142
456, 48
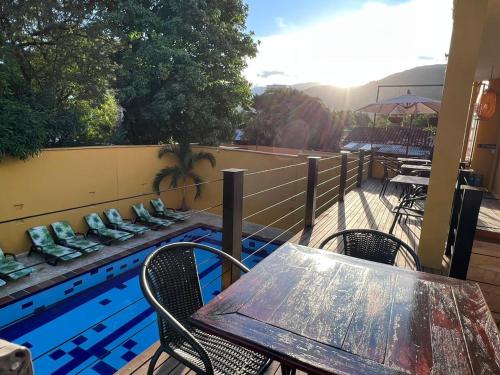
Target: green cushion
61, 252
14, 270
158, 221
2, 283
94, 221
40, 236
134, 228
158, 205
84, 245
113, 216
63, 230
115, 234
141, 211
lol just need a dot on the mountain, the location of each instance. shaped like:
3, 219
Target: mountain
341, 98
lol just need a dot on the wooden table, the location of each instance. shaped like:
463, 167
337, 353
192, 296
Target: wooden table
326, 313
414, 161
411, 180
416, 167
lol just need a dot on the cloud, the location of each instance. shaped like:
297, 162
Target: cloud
280, 22
269, 73
355, 47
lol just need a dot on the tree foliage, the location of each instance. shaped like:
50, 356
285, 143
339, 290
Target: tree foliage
180, 73
183, 170
175, 67
290, 118
55, 63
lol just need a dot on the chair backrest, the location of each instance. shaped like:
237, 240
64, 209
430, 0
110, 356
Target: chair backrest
113, 216
94, 221
158, 205
63, 230
141, 211
372, 245
2, 256
40, 236
170, 283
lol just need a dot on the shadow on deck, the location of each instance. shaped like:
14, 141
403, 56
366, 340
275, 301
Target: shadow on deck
363, 208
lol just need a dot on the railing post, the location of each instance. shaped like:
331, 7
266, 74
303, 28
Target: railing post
312, 189
361, 161
466, 231
343, 176
372, 163
232, 222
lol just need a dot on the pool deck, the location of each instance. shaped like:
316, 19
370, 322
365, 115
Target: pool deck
47, 275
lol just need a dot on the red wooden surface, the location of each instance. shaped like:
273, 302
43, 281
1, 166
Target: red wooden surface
331, 314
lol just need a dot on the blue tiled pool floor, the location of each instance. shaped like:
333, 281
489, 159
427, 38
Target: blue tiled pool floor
99, 330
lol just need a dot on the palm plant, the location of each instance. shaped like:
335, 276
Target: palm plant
183, 171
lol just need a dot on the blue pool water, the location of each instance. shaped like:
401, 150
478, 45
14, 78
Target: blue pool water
98, 321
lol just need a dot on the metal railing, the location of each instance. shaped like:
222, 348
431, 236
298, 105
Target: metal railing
334, 181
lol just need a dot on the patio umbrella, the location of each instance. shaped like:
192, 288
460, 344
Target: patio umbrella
404, 105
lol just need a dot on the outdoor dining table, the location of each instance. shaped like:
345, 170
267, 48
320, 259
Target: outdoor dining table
326, 313
416, 167
410, 180
414, 161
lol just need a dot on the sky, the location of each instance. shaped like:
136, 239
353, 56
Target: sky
345, 42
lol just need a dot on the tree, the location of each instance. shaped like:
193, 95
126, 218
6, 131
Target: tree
291, 118
180, 71
54, 60
186, 159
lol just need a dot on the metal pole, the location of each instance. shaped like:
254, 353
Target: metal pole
232, 222
312, 189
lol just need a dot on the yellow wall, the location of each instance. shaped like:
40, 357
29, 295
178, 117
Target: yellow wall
483, 159
62, 179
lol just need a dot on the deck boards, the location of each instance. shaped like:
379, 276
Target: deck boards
363, 208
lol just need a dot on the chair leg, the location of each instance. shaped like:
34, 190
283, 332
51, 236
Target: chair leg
285, 370
393, 223
154, 359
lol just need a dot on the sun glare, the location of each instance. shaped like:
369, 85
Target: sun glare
353, 48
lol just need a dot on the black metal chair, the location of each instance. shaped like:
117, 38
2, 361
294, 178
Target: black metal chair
170, 283
389, 172
372, 245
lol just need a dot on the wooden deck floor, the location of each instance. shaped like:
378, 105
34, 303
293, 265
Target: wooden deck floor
363, 208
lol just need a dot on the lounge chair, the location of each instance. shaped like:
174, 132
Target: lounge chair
144, 216
44, 243
67, 237
162, 211
98, 228
117, 222
11, 269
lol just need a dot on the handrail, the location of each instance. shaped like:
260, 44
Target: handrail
274, 222
274, 187
274, 205
329, 169
274, 239
274, 169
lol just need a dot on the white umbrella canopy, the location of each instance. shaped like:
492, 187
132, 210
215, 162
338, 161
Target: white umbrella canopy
404, 105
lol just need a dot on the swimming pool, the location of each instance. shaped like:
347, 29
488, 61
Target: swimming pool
97, 322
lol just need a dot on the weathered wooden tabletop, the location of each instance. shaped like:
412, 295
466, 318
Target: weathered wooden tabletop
417, 167
414, 161
326, 313
411, 180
